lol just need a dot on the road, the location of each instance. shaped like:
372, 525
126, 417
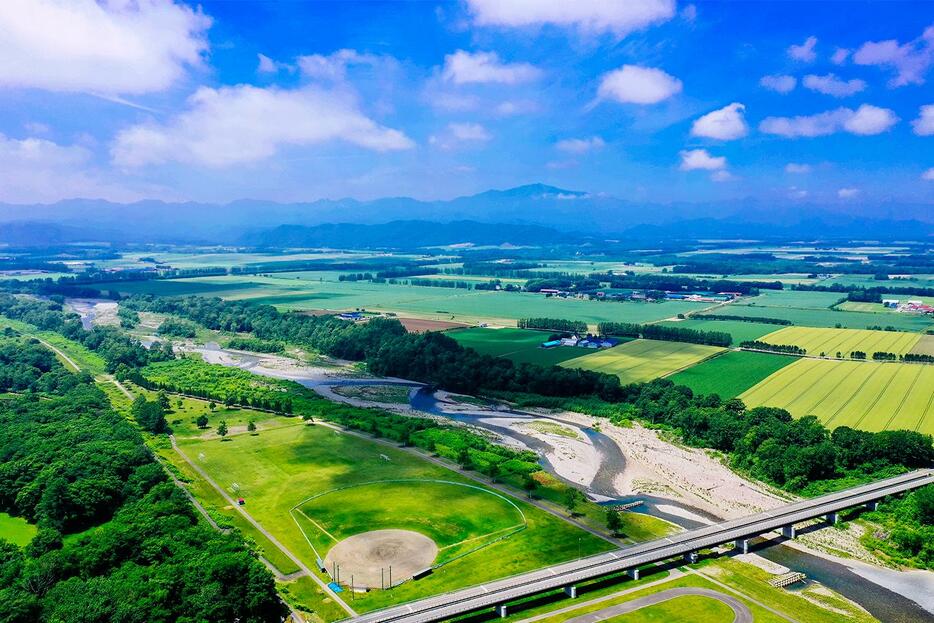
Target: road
741, 612
295, 559
445, 606
60, 353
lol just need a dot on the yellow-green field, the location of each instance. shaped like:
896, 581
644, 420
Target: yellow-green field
644, 360
843, 341
866, 395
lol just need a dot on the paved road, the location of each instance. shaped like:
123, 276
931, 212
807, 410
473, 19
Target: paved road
295, 559
741, 613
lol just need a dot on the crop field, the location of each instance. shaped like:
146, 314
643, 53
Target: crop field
519, 345
730, 374
843, 341
739, 329
866, 395
339, 483
304, 291
925, 346
795, 299
644, 360
828, 317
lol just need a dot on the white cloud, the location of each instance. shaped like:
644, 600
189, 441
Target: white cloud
619, 17
839, 56
334, 66
797, 168
847, 193
910, 61
266, 65
692, 159
722, 176
797, 193
779, 84
804, 52
869, 120
34, 170
725, 124
242, 124
924, 124
115, 47
689, 13
515, 107
469, 132
580, 145
865, 120
485, 67
928, 175
832, 85
638, 85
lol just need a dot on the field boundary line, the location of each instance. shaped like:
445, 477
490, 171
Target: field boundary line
474, 538
316, 524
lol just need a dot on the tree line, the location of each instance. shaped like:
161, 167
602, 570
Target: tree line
553, 324
662, 332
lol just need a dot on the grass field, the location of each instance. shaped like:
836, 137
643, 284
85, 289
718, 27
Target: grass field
304, 291
16, 530
795, 299
730, 374
519, 345
866, 395
739, 329
280, 468
843, 341
828, 317
644, 360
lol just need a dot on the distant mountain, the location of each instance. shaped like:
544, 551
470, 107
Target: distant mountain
404, 234
597, 215
29, 233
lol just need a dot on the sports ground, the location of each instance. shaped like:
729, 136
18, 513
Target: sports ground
866, 395
843, 341
644, 360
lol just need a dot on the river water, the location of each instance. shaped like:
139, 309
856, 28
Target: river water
886, 605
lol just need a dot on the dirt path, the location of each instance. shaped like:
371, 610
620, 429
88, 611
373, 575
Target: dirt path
272, 539
60, 353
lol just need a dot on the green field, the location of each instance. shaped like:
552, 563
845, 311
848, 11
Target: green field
471, 517
643, 360
795, 299
685, 608
730, 374
843, 341
304, 291
16, 530
281, 468
739, 329
866, 395
519, 345
827, 317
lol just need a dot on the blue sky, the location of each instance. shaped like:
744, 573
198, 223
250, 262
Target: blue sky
785, 103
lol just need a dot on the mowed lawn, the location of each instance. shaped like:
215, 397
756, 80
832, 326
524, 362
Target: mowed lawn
730, 374
866, 395
644, 360
844, 341
519, 345
280, 468
16, 530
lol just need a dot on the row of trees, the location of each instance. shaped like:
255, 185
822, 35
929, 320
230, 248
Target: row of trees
662, 332
785, 349
114, 535
779, 321
553, 324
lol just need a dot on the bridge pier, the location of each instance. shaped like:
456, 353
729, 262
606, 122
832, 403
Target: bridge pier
832, 518
571, 591
872, 506
690, 558
789, 531
742, 545
634, 573
501, 611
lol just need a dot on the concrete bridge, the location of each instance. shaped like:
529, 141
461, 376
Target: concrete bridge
566, 576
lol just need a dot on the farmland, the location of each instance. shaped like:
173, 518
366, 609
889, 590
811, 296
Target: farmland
843, 341
827, 317
730, 374
280, 468
305, 291
739, 329
519, 345
644, 360
867, 395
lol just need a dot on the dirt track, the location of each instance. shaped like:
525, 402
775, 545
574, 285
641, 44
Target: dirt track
367, 557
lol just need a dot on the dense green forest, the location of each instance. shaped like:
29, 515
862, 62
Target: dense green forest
116, 540
661, 332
